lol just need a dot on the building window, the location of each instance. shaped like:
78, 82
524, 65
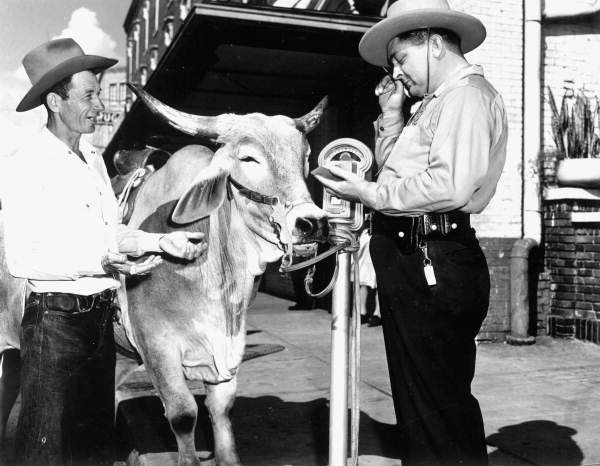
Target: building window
112, 93
146, 16
136, 42
143, 75
129, 58
153, 57
156, 14
122, 92
184, 8
168, 30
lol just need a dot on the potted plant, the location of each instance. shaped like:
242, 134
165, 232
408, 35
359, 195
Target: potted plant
575, 133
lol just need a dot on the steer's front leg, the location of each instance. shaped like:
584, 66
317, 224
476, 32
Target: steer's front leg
219, 400
181, 411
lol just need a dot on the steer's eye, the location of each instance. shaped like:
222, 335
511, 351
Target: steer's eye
248, 158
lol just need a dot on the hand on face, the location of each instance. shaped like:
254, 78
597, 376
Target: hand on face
391, 94
348, 188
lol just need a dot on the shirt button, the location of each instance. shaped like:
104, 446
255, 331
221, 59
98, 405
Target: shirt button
87, 205
434, 227
401, 234
381, 128
106, 223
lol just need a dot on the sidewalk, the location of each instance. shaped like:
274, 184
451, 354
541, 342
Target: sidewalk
541, 403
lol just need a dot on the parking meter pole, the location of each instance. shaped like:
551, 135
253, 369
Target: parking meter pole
338, 404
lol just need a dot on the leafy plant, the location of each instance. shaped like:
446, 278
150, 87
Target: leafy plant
575, 125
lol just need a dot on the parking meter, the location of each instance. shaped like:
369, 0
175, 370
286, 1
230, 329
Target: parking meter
352, 155
345, 217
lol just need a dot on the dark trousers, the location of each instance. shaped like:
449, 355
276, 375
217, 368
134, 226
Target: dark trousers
67, 387
429, 334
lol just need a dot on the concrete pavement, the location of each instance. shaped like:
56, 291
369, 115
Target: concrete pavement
541, 403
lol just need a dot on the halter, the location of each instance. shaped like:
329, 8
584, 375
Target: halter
254, 196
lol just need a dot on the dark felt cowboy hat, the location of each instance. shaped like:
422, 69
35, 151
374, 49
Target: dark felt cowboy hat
409, 15
53, 61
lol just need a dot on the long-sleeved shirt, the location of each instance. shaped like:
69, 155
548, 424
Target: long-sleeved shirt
61, 218
448, 158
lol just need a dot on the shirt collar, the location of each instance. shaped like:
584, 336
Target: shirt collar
59, 147
459, 74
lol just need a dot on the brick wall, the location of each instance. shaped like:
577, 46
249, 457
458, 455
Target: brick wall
499, 225
501, 56
573, 261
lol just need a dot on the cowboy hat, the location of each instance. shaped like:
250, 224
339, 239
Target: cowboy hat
53, 61
409, 15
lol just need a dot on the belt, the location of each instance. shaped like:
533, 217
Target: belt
408, 232
74, 303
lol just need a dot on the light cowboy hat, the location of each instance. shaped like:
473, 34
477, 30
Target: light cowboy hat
52, 62
409, 15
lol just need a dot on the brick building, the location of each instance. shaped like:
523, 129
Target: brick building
210, 57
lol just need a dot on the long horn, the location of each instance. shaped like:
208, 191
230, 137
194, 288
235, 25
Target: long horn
310, 121
194, 125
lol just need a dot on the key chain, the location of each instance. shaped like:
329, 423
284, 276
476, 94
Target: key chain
427, 267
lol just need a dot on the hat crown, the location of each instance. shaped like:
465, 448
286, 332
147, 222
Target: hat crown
404, 6
47, 56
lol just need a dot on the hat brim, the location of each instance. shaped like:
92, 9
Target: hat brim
93, 63
373, 45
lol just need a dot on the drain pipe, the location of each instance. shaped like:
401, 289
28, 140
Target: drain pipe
532, 137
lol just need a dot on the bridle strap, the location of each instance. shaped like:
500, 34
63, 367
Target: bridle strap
253, 195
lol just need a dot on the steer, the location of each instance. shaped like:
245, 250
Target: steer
187, 319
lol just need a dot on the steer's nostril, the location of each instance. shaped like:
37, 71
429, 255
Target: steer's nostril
305, 226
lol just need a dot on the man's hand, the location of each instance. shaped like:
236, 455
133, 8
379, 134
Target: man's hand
348, 188
391, 94
117, 263
183, 244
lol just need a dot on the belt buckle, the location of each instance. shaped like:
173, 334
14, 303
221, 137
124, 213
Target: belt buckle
85, 303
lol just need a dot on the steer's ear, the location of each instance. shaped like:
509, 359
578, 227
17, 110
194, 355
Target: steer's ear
207, 193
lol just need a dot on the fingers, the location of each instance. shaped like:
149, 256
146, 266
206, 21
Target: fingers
142, 268
386, 85
115, 258
199, 249
194, 235
193, 251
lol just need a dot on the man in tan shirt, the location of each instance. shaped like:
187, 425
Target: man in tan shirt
435, 170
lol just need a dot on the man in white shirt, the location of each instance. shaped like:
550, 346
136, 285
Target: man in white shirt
62, 235
436, 169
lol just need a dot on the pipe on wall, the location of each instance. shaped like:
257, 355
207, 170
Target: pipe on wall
532, 141
519, 292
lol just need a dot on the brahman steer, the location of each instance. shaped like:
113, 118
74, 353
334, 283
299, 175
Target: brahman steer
187, 319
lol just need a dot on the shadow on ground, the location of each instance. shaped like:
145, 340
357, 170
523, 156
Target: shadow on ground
539, 442
267, 429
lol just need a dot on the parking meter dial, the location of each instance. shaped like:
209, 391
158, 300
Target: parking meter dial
351, 155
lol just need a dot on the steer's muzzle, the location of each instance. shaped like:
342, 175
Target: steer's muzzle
308, 229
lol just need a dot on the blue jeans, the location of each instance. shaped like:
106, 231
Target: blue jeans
67, 386
429, 334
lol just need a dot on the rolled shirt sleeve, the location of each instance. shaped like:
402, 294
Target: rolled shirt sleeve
137, 242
